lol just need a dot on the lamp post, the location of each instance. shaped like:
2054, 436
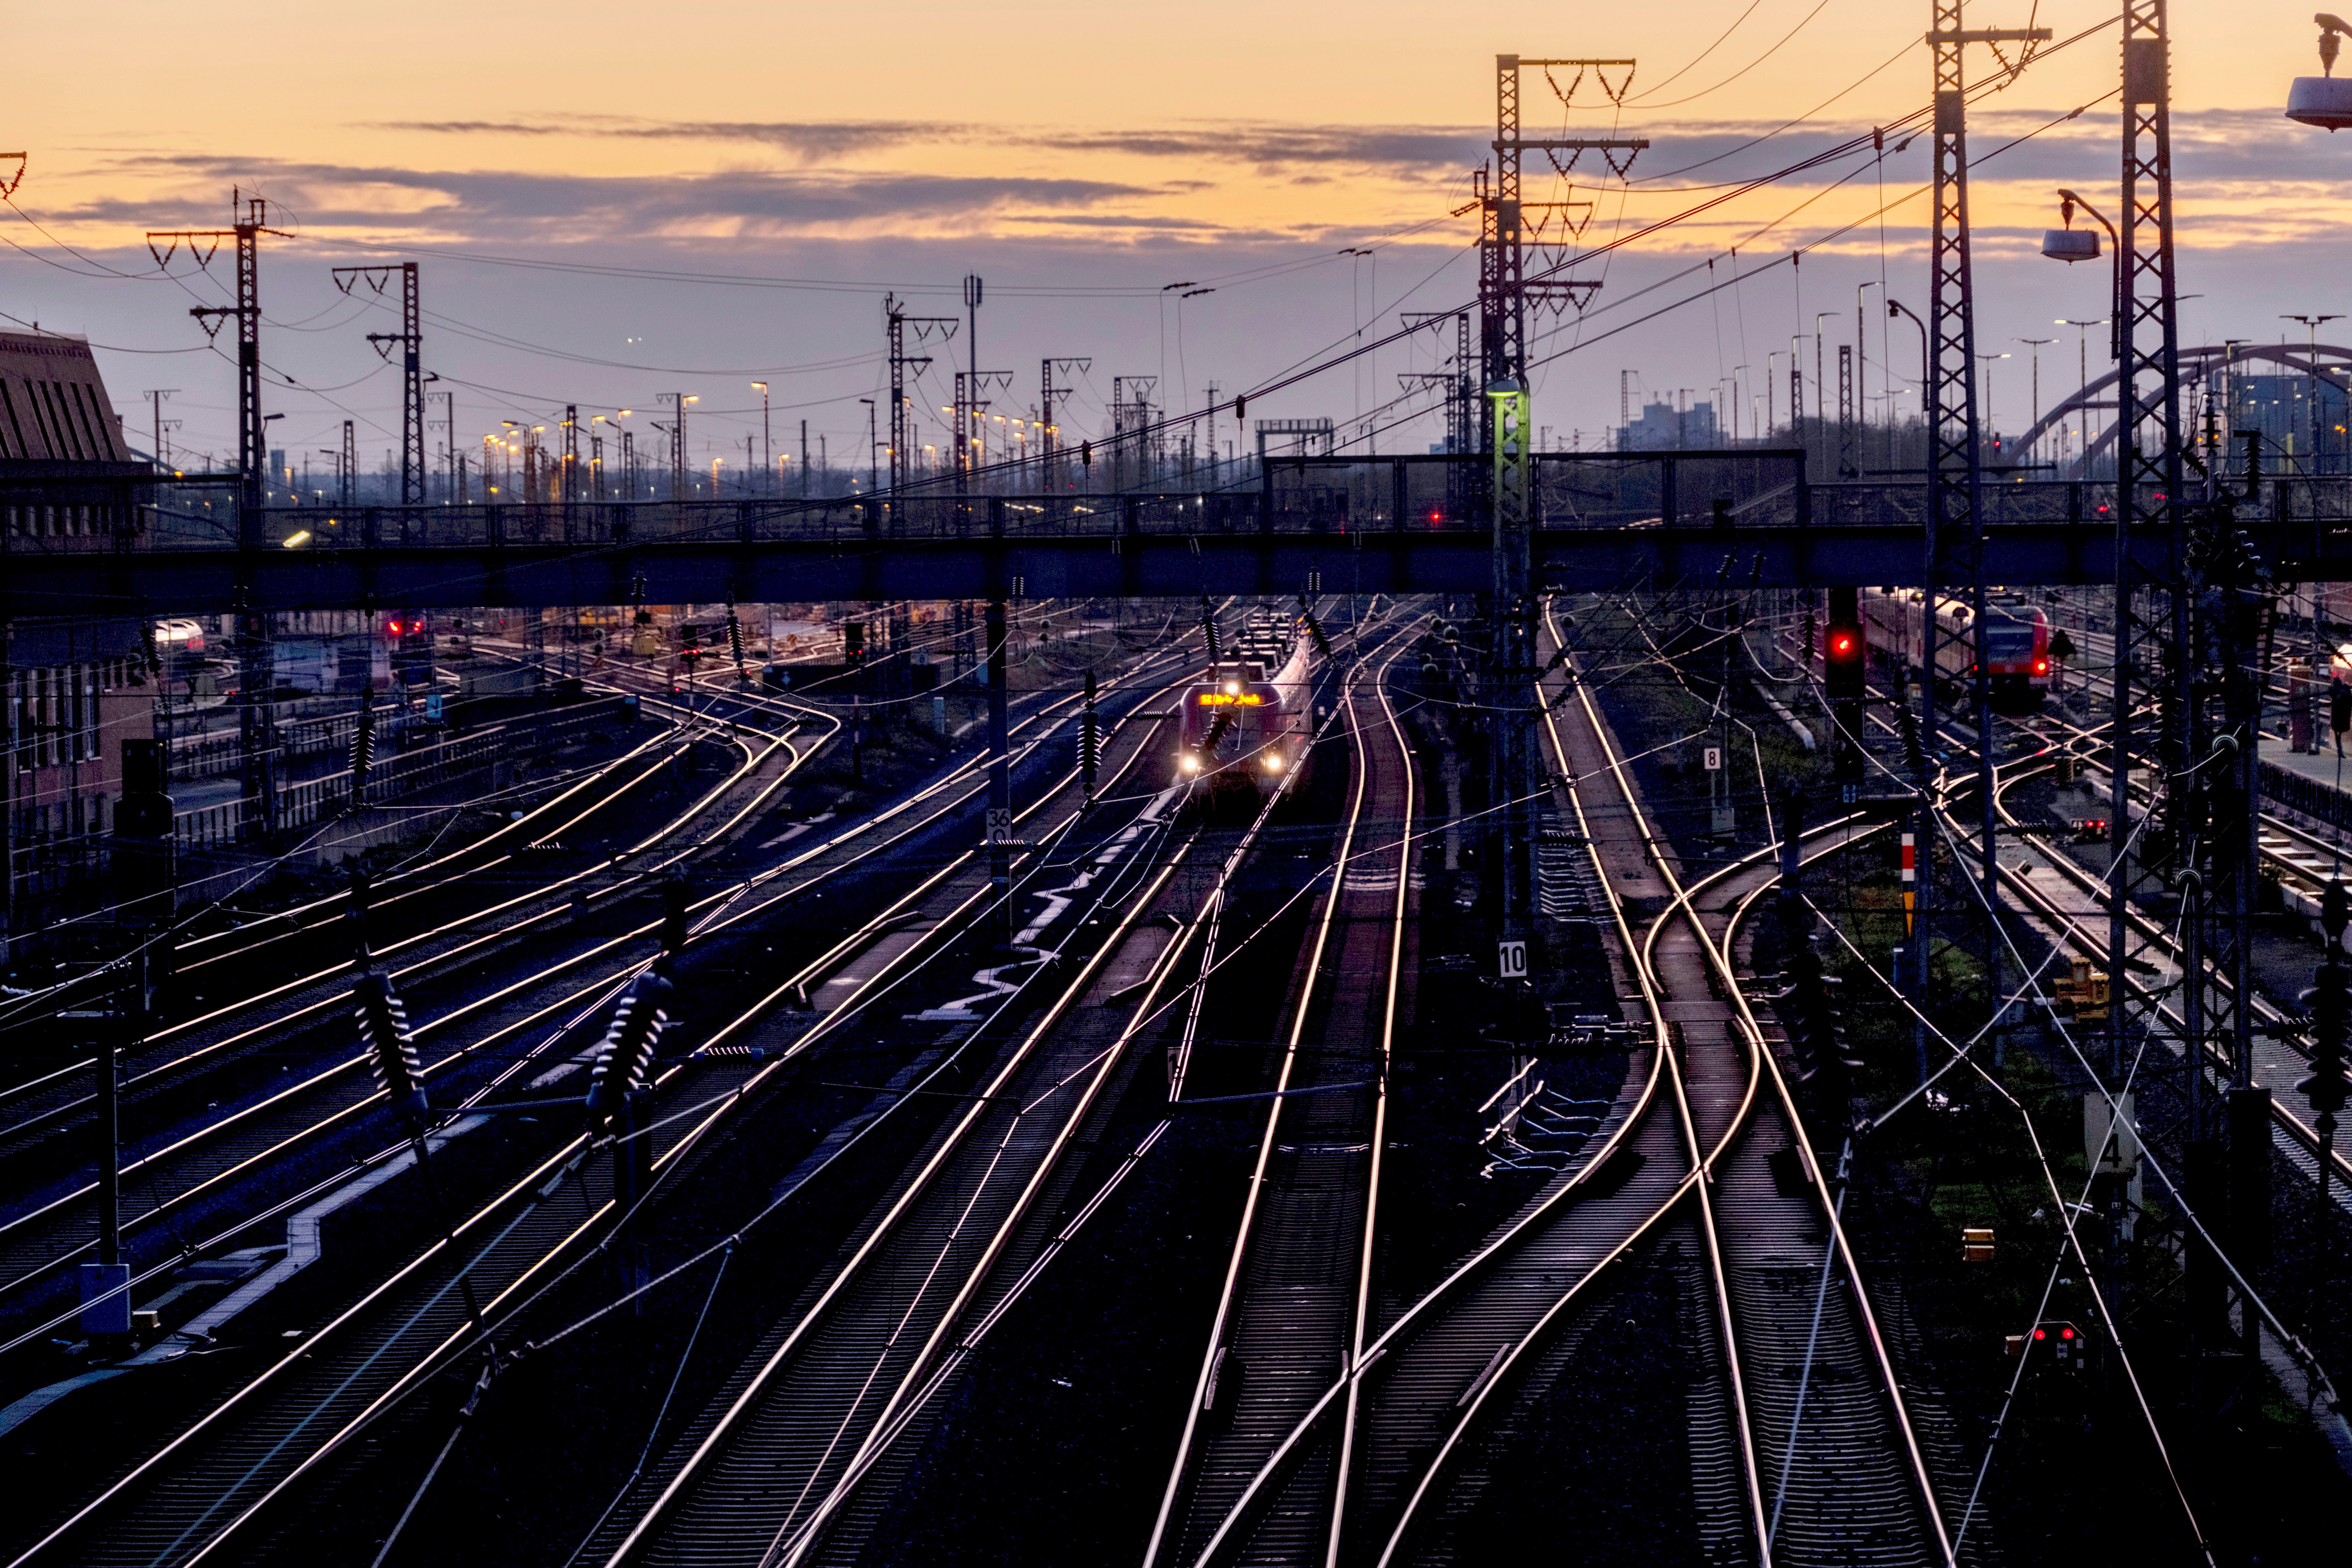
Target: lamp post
873, 453
2323, 100
1820, 388
2037, 344
2082, 354
1990, 422
767, 442
2311, 377
2067, 244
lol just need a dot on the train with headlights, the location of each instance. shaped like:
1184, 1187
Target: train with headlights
1247, 724
2016, 641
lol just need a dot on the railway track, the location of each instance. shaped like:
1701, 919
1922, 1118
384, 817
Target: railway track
793, 1466
194, 1150
214, 1475
1804, 1448
264, 1137
1298, 1292
33, 1111
407, 906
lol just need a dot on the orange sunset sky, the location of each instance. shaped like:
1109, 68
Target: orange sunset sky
1081, 157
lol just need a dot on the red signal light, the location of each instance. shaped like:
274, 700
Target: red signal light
1841, 643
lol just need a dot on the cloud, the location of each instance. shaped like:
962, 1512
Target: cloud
807, 141
1264, 144
514, 204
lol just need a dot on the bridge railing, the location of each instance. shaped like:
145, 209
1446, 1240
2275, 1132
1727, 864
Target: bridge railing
1300, 494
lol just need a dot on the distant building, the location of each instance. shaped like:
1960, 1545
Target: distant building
53, 407
72, 688
1663, 428
65, 476
2279, 406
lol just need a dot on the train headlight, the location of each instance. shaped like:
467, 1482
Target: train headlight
1274, 762
1233, 689
1191, 763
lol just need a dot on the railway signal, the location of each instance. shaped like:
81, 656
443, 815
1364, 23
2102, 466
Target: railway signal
2059, 1343
1844, 663
1843, 655
2330, 1001
1808, 1007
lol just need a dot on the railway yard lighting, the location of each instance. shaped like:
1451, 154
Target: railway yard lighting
2325, 100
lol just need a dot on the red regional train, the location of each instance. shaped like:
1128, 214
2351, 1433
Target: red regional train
1247, 722
2016, 639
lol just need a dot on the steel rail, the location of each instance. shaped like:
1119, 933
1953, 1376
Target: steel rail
1368, 1250
1512, 1235
538, 1185
852, 1268
1310, 966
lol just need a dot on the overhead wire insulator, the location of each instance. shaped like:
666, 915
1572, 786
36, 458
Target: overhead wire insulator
1090, 738
1209, 628
624, 1057
1315, 629
735, 644
1217, 728
362, 751
383, 1029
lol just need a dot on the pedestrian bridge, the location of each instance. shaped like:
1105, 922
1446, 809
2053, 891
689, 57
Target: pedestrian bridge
1390, 525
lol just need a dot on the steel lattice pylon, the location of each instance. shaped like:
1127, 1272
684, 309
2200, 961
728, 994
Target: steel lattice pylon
1955, 530
2148, 514
1503, 284
896, 322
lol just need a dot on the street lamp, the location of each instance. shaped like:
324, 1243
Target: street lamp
1989, 423
2068, 245
767, 445
2325, 100
2311, 369
2037, 344
2082, 341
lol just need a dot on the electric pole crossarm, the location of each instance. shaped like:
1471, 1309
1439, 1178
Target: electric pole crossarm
1989, 35
1584, 144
